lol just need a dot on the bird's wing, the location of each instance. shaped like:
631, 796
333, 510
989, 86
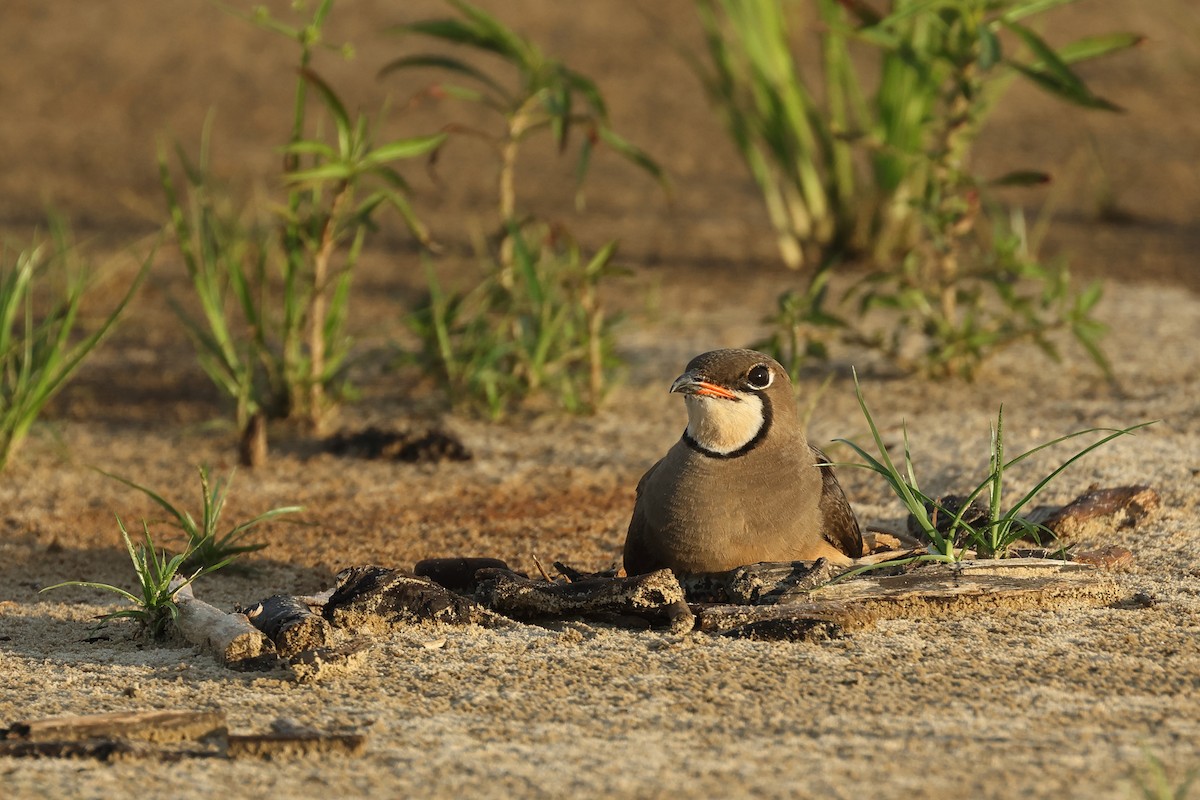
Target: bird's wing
636, 555
839, 526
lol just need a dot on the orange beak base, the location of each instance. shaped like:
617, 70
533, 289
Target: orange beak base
692, 384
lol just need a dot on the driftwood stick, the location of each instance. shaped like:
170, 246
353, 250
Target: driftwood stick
290, 623
156, 734
98, 749
291, 745
150, 726
654, 595
230, 637
965, 587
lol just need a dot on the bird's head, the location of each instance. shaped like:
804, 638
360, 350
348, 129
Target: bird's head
732, 398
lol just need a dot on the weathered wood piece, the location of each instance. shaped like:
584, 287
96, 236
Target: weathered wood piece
293, 745
373, 598
230, 637
965, 587
98, 749
156, 734
655, 595
456, 574
766, 582
291, 624
1096, 509
148, 726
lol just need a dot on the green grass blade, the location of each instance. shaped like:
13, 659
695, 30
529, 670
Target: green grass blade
1032, 493
93, 585
451, 65
266, 517
184, 519
1091, 47
403, 148
341, 119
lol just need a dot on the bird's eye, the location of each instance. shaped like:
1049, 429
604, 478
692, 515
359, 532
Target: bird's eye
759, 377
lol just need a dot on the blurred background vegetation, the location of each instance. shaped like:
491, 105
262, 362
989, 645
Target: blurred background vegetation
924, 168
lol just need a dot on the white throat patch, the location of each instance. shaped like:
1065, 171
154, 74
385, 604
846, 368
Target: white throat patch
722, 426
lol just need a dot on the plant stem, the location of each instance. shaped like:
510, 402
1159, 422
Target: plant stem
518, 124
319, 306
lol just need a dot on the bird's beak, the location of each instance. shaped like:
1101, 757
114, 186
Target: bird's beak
692, 383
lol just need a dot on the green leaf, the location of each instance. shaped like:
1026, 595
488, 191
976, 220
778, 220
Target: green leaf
449, 64
917, 8
93, 585
332, 171
1031, 8
1053, 85
341, 119
989, 48
1032, 493
310, 147
506, 42
1096, 46
403, 148
182, 517
601, 259
1052, 74
586, 87
449, 30
635, 155
479, 30
1089, 297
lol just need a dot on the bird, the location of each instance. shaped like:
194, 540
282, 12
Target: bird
742, 485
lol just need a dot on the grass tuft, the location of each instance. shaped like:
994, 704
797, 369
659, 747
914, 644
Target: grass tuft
154, 605
40, 346
534, 324
1000, 528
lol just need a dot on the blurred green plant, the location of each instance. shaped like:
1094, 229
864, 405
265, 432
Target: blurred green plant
543, 331
288, 281
206, 545
535, 322
39, 344
794, 147
159, 580
999, 295
949, 529
842, 168
548, 96
1007, 295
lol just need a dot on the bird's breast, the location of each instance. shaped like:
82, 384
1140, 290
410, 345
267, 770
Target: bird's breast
709, 514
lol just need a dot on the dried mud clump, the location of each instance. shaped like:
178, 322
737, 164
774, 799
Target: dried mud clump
431, 446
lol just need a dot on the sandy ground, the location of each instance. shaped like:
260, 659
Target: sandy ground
1070, 702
